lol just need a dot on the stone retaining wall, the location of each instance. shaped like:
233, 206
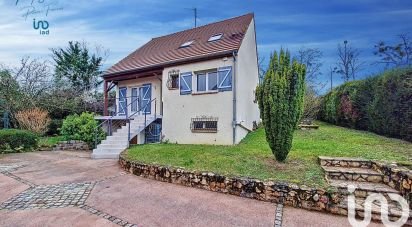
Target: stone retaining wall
72, 145
397, 177
288, 194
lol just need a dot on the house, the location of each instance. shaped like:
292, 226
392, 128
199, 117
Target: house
195, 86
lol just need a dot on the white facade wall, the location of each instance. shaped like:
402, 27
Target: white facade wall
247, 79
180, 109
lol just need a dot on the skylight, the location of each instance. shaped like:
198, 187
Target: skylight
186, 44
215, 37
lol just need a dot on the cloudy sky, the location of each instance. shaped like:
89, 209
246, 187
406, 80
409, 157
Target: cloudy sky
123, 26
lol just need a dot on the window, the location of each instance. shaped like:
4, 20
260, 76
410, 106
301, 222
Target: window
186, 83
207, 81
204, 124
215, 37
173, 80
186, 44
225, 78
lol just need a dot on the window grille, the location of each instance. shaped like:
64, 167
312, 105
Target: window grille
204, 124
173, 80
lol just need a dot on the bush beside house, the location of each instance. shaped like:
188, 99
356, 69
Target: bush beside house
82, 127
13, 140
381, 104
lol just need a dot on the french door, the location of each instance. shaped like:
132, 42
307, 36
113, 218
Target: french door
145, 93
122, 101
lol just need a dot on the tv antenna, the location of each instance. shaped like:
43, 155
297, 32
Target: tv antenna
195, 14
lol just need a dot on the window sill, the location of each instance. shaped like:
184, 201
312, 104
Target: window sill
205, 92
204, 131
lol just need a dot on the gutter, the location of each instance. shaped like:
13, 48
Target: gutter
234, 121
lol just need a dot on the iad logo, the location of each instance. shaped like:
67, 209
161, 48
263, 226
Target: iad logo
43, 26
384, 209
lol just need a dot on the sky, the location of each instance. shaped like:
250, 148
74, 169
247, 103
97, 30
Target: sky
123, 26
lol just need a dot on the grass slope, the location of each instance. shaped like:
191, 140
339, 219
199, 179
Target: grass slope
253, 158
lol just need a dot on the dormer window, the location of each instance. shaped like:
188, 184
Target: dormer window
215, 37
186, 44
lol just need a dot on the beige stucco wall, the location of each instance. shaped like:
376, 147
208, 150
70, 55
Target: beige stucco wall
156, 90
247, 80
179, 109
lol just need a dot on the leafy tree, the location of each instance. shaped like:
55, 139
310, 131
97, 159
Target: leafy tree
280, 99
11, 97
76, 65
397, 55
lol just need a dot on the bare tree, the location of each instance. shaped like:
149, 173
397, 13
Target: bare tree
397, 55
311, 57
33, 76
348, 64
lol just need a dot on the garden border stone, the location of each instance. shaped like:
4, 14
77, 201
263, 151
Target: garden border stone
269, 191
71, 145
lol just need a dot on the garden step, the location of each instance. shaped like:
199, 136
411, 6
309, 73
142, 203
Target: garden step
105, 156
123, 142
394, 210
363, 189
353, 174
111, 146
345, 162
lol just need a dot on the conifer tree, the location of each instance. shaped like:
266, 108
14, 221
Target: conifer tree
280, 99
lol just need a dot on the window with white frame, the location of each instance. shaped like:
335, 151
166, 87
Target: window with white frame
207, 81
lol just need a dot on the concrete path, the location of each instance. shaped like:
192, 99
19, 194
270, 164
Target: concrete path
70, 189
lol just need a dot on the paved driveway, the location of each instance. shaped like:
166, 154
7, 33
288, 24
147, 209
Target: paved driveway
70, 189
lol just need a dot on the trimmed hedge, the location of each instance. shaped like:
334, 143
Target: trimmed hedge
14, 140
381, 104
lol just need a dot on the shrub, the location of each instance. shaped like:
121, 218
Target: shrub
311, 104
54, 127
83, 127
14, 140
280, 99
35, 120
381, 104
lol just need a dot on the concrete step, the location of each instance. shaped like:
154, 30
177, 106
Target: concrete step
111, 146
344, 162
353, 174
120, 142
108, 150
116, 138
104, 156
363, 189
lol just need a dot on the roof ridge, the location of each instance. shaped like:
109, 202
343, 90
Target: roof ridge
232, 18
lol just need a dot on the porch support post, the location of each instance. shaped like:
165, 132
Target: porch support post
106, 101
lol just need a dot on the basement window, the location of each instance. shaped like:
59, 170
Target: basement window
186, 44
215, 37
204, 124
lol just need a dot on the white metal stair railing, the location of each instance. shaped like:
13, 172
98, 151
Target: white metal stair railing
118, 141
113, 145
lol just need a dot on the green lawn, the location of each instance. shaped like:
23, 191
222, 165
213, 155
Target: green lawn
50, 141
253, 158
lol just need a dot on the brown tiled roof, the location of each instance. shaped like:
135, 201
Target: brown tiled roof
165, 50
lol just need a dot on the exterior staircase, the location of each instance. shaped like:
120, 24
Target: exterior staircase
341, 172
113, 145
